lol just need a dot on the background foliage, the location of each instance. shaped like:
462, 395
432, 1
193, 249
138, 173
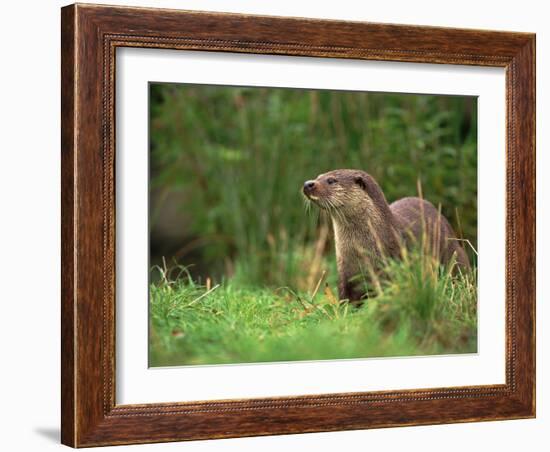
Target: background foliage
230, 161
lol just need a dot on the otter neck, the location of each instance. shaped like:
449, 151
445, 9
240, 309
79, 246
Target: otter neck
368, 230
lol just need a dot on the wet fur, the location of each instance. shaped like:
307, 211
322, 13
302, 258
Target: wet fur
367, 230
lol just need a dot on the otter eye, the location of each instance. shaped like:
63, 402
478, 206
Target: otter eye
331, 180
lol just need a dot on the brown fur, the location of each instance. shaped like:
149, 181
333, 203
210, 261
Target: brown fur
368, 230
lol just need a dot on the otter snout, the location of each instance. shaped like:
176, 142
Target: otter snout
309, 187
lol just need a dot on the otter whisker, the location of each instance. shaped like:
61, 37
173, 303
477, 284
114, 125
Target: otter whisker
329, 206
307, 205
334, 212
337, 213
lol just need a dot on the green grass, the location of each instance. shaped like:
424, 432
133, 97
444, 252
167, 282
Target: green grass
421, 310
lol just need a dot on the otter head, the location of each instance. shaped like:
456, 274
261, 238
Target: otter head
346, 192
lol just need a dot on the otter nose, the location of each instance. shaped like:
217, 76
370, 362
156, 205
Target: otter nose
309, 185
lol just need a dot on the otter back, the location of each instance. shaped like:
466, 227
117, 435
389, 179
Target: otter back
418, 220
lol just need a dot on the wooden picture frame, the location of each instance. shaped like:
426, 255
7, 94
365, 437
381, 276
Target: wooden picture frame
90, 36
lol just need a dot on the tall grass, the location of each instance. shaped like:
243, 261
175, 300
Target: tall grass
238, 157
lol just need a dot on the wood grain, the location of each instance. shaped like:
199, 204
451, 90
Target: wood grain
68, 309
90, 36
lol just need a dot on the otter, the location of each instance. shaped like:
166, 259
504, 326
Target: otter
368, 230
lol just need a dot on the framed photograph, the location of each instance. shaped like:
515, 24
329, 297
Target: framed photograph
281, 225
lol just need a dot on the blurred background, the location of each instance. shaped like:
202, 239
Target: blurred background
227, 165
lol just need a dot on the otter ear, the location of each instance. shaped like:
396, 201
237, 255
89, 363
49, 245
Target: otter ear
359, 180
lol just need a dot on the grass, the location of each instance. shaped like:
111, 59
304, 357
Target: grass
423, 309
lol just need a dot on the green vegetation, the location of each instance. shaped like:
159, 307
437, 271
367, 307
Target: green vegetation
238, 157
421, 310
251, 275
